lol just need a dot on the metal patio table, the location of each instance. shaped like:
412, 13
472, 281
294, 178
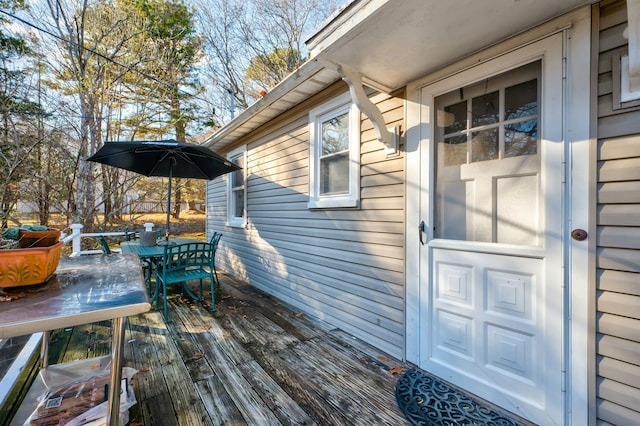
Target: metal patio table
83, 290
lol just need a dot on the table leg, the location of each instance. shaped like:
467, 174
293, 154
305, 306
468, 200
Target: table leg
117, 353
156, 291
44, 350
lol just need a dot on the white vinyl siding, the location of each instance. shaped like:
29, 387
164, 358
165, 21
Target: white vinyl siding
345, 267
618, 236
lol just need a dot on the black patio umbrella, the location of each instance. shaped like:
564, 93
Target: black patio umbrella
165, 158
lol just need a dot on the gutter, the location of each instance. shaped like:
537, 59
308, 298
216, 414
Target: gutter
298, 77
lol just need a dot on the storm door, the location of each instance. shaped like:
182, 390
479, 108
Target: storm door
493, 317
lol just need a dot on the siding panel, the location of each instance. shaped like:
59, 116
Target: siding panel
618, 371
618, 234
620, 170
617, 326
345, 266
625, 147
617, 125
621, 349
627, 396
620, 304
618, 259
620, 214
371, 226
614, 414
618, 281
619, 192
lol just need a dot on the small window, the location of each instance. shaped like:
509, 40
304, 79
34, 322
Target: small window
334, 159
236, 195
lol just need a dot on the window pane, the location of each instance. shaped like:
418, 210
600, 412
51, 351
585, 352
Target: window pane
485, 109
238, 203
237, 177
335, 134
484, 145
455, 150
521, 138
334, 174
454, 118
521, 100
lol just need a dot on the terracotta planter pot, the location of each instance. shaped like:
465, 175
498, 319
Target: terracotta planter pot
27, 266
39, 238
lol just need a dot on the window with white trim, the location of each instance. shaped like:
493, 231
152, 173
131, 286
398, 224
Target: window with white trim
236, 193
334, 157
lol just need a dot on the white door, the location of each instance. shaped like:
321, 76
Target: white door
491, 279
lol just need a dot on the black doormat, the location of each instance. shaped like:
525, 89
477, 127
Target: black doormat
426, 401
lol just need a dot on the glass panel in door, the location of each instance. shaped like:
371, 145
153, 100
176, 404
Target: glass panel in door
488, 164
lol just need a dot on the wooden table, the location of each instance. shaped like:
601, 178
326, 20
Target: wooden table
85, 289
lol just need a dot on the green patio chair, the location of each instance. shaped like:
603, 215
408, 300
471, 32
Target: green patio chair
214, 241
131, 235
104, 245
184, 262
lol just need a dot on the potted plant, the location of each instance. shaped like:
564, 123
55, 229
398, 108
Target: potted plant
28, 256
30, 237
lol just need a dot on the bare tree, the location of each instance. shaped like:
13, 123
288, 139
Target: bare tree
93, 36
18, 106
263, 35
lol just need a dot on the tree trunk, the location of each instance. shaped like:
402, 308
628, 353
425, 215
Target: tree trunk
181, 136
89, 137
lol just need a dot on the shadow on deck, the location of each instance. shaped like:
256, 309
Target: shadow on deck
254, 361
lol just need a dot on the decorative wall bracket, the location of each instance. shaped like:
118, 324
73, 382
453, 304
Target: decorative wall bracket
388, 136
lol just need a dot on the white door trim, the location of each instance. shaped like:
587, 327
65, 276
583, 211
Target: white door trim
580, 174
576, 29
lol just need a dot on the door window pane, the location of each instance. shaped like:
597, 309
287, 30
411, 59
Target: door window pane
455, 150
521, 100
454, 118
521, 138
485, 109
484, 145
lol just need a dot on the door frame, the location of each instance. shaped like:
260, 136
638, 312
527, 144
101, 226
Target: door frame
577, 102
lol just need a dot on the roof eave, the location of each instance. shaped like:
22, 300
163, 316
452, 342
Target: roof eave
310, 78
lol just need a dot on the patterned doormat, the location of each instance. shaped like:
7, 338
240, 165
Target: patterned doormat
425, 401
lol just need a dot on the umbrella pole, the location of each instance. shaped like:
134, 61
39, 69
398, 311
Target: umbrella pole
166, 233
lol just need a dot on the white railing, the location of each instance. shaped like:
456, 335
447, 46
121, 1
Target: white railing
76, 236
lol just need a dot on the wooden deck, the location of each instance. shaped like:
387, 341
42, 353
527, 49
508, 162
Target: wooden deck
253, 362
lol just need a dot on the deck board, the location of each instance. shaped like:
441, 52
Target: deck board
252, 362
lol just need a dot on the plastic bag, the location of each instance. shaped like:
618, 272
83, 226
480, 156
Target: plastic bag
82, 401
